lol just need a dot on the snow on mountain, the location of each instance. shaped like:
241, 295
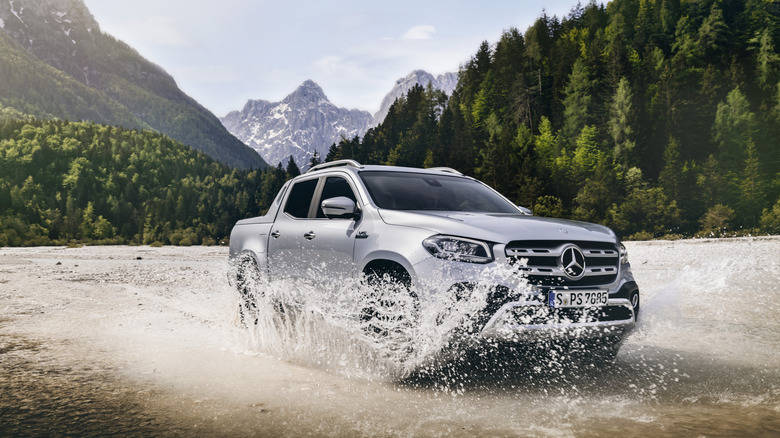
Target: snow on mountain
22, 19
304, 122
445, 82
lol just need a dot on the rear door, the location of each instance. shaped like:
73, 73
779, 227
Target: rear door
285, 258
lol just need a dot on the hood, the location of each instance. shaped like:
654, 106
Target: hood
499, 228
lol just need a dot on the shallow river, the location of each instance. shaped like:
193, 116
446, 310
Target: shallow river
146, 341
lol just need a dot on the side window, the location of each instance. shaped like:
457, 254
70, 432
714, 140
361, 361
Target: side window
300, 198
334, 187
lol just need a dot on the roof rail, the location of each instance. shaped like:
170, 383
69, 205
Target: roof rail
337, 163
446, 169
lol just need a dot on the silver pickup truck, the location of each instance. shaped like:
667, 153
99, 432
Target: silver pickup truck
440, 235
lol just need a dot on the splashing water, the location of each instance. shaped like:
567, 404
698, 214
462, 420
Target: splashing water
164, 334
389, 332
383, 332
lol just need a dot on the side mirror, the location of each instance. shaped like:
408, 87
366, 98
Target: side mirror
340, 207
524, 210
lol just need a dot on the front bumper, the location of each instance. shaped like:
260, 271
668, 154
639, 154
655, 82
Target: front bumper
515, 310
535, 321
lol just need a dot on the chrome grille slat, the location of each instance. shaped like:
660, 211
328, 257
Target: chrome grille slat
599, 253
530, 252
557, 252
602, 261
557, 272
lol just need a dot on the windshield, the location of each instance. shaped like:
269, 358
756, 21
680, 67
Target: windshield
423, 191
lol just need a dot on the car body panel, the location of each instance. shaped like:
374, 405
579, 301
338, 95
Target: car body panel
322, 249
498, 227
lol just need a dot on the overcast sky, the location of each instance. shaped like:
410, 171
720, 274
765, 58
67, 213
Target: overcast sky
223, 53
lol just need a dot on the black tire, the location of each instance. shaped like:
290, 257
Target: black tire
385, 308
633, 297
248, 284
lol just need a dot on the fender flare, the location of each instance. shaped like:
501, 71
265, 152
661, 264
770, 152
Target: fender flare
388, 256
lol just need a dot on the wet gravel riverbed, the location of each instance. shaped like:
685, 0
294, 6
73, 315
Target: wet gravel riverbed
141, 341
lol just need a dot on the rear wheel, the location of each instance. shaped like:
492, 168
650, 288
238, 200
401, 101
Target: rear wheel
248, 283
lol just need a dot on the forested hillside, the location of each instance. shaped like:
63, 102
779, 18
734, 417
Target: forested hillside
56, 63
64, 183
657, 118
653, 117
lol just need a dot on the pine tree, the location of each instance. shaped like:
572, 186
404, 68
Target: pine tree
734, 126
292, 169
767, 59
672, 171
752, 198
577, 103
588, 155
334, 153
713, 32
621, 121
712, 183
315, 159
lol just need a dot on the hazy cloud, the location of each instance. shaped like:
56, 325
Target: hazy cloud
422, 32
329, 63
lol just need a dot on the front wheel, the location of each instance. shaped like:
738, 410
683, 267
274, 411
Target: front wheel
634, 299
389, 308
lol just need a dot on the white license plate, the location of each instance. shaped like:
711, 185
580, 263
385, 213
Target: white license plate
579, 298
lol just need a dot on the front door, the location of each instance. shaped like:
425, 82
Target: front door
331, 244
304, 243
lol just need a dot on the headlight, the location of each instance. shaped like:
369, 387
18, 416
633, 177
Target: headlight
458, 248
623, 254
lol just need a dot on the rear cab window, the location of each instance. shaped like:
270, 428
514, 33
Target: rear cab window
299, 201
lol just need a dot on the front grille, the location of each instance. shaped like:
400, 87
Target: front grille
538, 259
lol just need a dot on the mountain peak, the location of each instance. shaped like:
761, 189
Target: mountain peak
24, 21
308, 91
420, 76
303, 122
308, 83
445, 82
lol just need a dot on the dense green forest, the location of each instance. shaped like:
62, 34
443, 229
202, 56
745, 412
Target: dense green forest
70, 183
657, 118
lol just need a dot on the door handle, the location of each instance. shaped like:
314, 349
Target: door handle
276, 234
310, 235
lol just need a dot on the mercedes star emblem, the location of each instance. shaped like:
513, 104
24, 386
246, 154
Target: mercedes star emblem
572, 262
